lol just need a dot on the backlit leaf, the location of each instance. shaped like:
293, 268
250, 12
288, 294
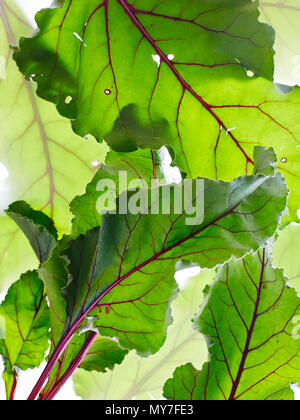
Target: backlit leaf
39, 154
38, 228
26, 319
147, 376
283, 16
286, 254
118, 271
250, 322
196, 76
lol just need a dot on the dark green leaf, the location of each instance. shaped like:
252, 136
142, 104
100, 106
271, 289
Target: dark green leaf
103, 354
38, 228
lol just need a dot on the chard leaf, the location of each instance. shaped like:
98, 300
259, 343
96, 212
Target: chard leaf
103, 355
38, 228
265, 161
25, 315
286, 254
54, 275
118, 271
38, 153
249, 322
147, 376
214, 79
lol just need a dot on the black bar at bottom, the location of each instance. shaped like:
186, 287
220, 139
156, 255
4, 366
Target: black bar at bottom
140, 409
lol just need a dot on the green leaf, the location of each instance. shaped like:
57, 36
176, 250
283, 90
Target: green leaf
117, 273
147, 376
284, 18
264, 161
250, 324
140, 165
54, 275
201, 100
38, 228
26, 318
39, 152
286, 254
103, 355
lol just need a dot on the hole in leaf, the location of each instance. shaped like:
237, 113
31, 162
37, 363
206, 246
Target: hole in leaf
156, 58
96, 163
107, 92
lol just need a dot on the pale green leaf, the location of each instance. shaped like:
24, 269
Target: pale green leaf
39, 152
286, 254
283, 16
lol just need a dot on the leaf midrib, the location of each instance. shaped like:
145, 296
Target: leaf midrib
245, 354
85, 313
130, 11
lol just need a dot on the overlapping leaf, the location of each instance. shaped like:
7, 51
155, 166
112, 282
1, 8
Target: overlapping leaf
249, 322
147, 376
119, 270
200, 99
103, 354
39, 154
26, 320
117, 273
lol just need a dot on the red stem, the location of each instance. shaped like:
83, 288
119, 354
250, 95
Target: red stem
67, 337
131, 12
50, 395
14, 388
52, 362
